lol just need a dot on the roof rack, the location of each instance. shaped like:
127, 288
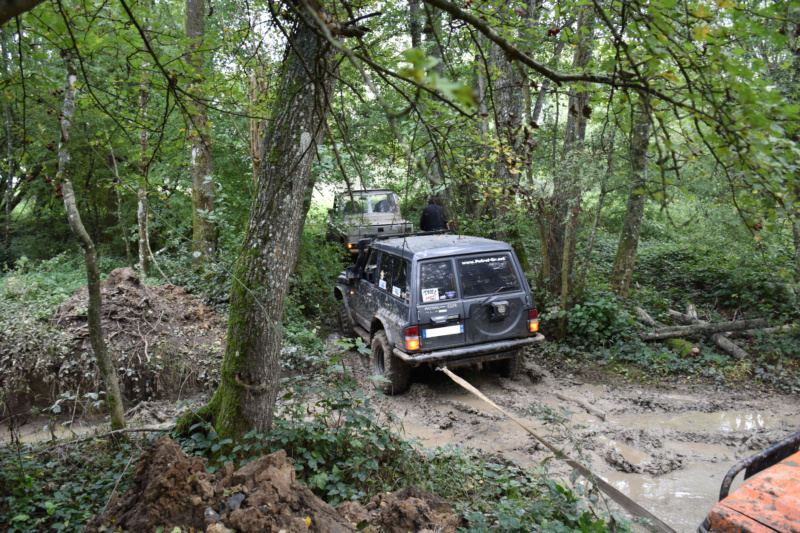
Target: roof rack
368, 240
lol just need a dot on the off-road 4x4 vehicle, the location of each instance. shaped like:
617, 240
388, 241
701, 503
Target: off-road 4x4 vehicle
437, 298
367, 213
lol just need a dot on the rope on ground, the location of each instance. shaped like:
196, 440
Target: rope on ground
628, 504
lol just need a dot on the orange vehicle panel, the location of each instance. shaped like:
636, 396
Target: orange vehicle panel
766, 503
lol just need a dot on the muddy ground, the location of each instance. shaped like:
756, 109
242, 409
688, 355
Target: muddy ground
666, 447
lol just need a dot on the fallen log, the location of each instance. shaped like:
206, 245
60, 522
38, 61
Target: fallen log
702, 329
763, 331
721, 341
729, 347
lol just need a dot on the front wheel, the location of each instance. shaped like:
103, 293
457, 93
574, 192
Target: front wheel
345, 327
385, 364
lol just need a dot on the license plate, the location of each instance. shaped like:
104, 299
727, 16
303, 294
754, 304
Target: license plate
442, 332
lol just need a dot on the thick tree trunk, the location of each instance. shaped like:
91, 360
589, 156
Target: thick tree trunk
203, 237
104, 363
622, 272
509, 112
248, 388
142, 211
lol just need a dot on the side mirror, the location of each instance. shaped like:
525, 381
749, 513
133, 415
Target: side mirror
352, 274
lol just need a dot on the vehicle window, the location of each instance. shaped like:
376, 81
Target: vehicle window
381, 203
355, 205
393, 276
437, 281
487, 275
371, 266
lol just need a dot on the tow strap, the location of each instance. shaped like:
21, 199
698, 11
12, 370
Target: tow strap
629, 505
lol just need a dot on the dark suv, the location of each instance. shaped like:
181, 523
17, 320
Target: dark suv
437, 298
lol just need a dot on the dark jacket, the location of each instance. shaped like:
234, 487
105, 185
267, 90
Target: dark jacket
432, 218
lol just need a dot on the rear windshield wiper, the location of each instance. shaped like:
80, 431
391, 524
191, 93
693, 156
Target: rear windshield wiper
498, 290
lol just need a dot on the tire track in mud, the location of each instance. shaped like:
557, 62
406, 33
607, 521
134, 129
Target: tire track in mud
666, 447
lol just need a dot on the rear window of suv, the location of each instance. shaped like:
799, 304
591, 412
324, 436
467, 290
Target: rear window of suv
487, 275
437, 281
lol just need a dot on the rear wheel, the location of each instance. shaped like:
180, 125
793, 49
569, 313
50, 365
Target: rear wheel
385, 364
345, 327
510, 368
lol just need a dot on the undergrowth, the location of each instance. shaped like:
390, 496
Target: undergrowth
58, 486
331, 432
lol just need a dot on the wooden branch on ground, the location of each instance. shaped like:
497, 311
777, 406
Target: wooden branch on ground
702, 329
591, 409
647, 319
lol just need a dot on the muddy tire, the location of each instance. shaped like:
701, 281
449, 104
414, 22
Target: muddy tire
345, 327
510, 368
385, 364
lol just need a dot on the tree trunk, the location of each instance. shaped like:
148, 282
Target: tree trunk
259, 88
622, 272
509, 112
142, 211
104, 363
248, 388
433, 165
10, 166
796, 237
204, 242
566, 196
118, 188
414, 24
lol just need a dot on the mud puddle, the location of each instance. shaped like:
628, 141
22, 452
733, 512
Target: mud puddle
667, 448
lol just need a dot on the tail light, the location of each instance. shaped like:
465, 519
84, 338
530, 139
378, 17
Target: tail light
412, 338
350, 245
533, 321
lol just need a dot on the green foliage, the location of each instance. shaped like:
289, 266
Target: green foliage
728, 278
495, 494
319, 262
600, 318
340, 451
48, 488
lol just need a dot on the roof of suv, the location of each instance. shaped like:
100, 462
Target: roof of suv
359, 192
446, 245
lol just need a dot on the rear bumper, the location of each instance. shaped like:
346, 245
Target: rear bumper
489, 351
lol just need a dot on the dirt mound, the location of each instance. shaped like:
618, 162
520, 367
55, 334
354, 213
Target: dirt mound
171, 489
164, 341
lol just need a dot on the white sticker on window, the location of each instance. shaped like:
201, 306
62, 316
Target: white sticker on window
382, 283
396, 291
430, 295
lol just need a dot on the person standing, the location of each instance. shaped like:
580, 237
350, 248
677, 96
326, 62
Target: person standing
433, 218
